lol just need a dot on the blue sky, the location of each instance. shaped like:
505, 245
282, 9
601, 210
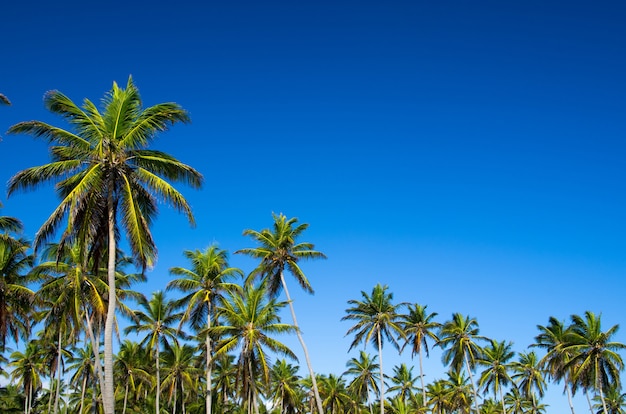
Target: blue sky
467, 154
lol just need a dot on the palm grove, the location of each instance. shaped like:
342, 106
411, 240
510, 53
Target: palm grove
214, 346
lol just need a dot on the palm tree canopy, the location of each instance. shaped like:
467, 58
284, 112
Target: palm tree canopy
106, 154
279, 250
458, 339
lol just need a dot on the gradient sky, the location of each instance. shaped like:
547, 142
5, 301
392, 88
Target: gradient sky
468, 154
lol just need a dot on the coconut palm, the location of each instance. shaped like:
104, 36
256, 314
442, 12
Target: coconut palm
129, 368
528, 376
157, 322
81, 363
16, 299
179, 363
376, 319
595, 356
204, 284
334, 393
279, 251
285, 387
249, 322
614, 399
419, 327
495, 358
27, 369
459, 392
106, 176
438, 397
403, 381
554, 338
363, 378
457, 338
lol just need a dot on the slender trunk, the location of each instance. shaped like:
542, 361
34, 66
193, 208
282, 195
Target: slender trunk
108, 391
209, 362
182, 393
175, 398
29, 396
316, 392
95, 346
569, 397
469, 371
125, 398
589, 402
51, 390
502, 400
158, 380
599, 387
59, 368
382, 378
422, 379
82, 395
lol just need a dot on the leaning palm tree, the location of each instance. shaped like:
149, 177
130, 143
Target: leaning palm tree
204, 284
595, 357
495, 358
249, 323
106, 176
279, 250
419, 326
376, 319
458, 338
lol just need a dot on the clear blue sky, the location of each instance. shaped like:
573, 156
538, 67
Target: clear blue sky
469, 154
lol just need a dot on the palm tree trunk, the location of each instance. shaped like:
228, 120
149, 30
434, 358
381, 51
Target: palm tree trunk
316, 392
108, 391
158, 380
82, 394
469, 371
209, 362
422, 378
125, 398
569, 397
599, 387
95, 346
502, 400
59, 366
382, 378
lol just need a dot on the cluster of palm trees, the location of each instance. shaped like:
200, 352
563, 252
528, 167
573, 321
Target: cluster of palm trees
213, 347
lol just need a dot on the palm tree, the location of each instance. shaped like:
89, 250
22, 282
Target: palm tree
495, 358
16, 299
363, 380
419, 326
614, 399
595, 356
129, 368
528, 376
106, 175
285, 387
180, 373
554, 339
404, 381
27, 369
376, 319
81, 363
458, 339
459, 392
205, 284
249, 322
278, 251
438, 397
334, 392
157, 322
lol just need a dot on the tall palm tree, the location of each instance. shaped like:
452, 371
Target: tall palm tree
27, 369
204, 284
528, 376
419, 326
106, 175
554, 338
81, 363
403, 381
458, 338
376, 319
495, 358
180, 373
363, 378
595, 357
130, 369
279, 251
157, 322
16, 299
249, 322
285, 387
